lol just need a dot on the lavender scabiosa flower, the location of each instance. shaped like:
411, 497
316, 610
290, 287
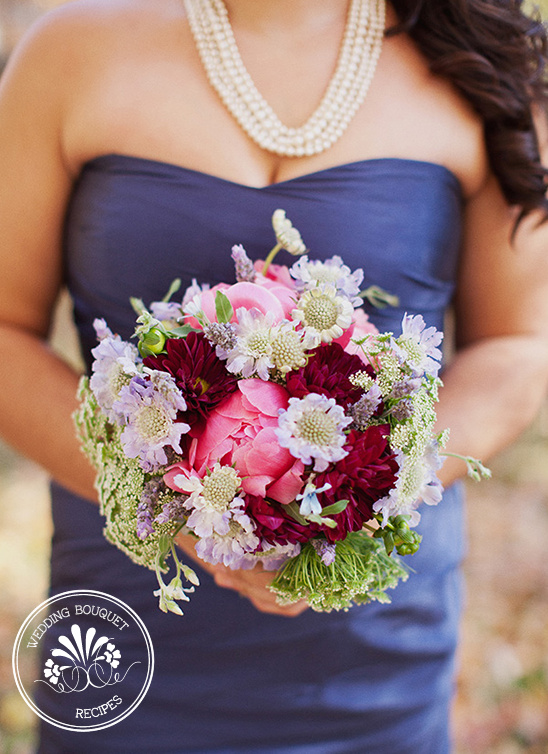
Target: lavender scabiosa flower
309, 274
168, 312
245, 272
364, 408
311, 428
419, 344
233, 548
116, 362
273, 557
149, 407
213, 500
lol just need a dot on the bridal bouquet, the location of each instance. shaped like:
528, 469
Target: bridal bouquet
269, 419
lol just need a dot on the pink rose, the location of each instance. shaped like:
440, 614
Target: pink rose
241, 432
266, 297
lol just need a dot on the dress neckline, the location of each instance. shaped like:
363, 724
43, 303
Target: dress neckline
368, 164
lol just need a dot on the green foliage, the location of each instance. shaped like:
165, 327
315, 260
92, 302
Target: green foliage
362, 572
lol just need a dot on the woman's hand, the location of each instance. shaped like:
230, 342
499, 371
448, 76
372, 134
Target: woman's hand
252, 584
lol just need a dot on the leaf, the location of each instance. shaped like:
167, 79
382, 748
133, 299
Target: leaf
338, 507
223, 308
293, 510
321, 521
183, 331
379, 298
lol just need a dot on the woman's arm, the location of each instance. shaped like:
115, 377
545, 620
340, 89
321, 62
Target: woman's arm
497, 381
37, 390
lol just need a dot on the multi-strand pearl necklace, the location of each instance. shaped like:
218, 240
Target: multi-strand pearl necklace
358, 56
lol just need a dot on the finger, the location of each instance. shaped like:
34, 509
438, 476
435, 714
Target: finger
273, 608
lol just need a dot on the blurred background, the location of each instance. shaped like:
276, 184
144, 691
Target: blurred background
502, 694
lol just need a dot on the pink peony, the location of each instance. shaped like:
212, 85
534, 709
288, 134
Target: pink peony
241, 432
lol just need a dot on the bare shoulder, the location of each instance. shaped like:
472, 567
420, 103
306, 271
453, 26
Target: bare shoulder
68, 35
459, 130
435, 122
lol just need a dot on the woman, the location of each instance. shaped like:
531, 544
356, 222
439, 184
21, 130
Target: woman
121, 169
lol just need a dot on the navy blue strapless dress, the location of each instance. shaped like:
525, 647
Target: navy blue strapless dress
229, 679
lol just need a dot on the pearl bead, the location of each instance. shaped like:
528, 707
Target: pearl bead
358, 57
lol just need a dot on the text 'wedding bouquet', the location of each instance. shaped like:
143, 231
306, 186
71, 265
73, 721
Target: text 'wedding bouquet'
272, 421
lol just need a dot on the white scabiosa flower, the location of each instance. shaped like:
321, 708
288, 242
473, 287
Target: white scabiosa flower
287, 236
312, 429
149, 408
323, 313
213, 500
419, 344
252, 353
289, 347
308, 274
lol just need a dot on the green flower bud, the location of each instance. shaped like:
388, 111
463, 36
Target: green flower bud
152, 342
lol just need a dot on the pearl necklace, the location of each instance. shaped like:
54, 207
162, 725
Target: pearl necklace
358, 56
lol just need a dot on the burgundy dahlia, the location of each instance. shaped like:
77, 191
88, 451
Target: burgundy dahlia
364, 476
274, 524
327, 373
199, 373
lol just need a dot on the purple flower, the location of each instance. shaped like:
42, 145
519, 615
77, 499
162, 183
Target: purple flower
149, 407
245, 272
326, 550
114, 366
420, 345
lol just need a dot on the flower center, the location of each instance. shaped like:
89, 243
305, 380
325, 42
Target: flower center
258, 342
325, 274
152, 423
317, 427
321, 313
415, 351
221, 487
287, 350
202, 385
118, 379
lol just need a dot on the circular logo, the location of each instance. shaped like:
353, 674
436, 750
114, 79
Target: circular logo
94, 660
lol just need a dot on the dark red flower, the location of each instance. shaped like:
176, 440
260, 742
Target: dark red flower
364, 476
327, 373
199, 373
275, 525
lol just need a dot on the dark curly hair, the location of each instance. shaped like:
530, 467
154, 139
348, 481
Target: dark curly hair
495, 55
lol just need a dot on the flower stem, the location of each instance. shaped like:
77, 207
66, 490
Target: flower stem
270, 258
474, 466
